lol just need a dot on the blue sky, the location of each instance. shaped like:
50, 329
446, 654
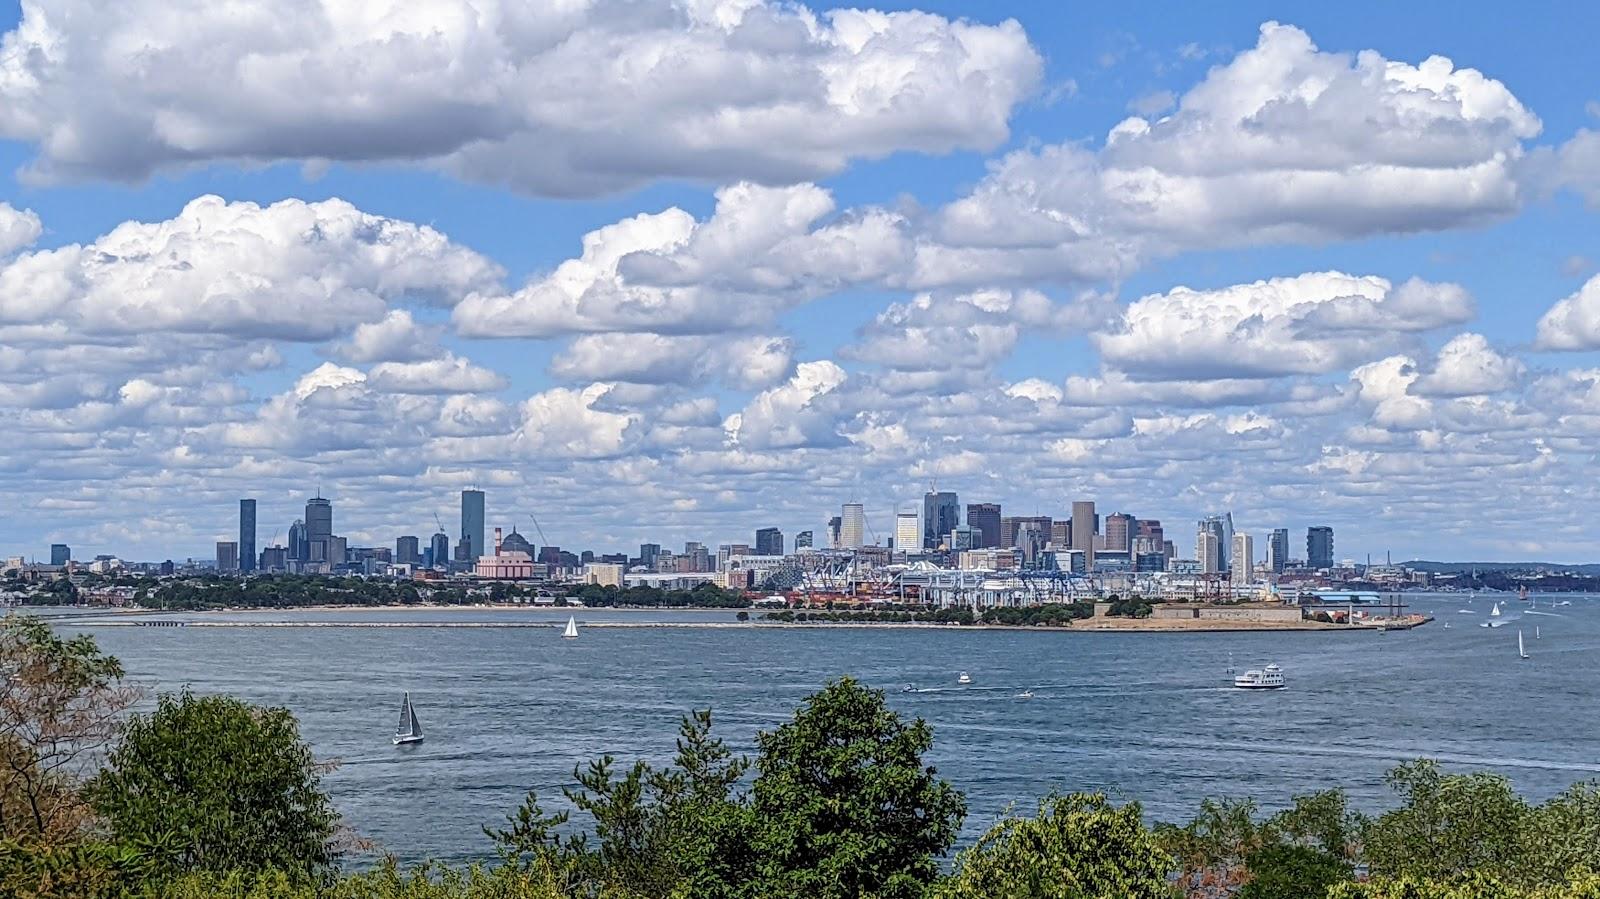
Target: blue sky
773, 397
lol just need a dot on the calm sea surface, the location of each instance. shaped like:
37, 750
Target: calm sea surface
1141, 716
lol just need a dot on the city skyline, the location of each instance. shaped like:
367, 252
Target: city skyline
1338, 269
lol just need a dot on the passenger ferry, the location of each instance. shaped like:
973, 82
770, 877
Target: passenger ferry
1268, 678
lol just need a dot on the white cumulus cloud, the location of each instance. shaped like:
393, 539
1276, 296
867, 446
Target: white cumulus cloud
551, 98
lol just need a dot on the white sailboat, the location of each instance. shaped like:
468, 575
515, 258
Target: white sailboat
571, 633
1495, 612
409, 729
1521, 653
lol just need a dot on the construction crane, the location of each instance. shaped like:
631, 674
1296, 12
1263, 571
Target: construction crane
543, 540
438, 522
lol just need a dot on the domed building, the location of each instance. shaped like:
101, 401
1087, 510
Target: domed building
515, 542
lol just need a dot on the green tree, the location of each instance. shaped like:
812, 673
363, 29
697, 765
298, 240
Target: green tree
1450, 826
843, 805
1292, 872
232, 784
1078, 846
59, 702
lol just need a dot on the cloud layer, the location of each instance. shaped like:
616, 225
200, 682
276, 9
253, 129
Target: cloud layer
564, 99
692, 375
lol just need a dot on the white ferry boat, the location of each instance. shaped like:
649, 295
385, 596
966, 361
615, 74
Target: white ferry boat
1268, 678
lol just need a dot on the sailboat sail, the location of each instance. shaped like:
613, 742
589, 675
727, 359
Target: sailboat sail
409, 730
1523, 653
572, 628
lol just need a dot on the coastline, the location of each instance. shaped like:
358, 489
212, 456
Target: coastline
134, 618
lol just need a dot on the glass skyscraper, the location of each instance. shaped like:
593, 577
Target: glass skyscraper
471, 546
247, 535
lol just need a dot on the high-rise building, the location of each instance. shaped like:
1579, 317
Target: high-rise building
274, 558
338, 551
769, 542
1319, 547
647, 555
907, 532
319, 519
60, 554
439, 550
227, 555
297, 550
1084, 528
247, 535
1208, 551
835, 524
803, 540
1278, 550
1243, 559
940, 515
852, 526
408, 551
1217, 526
471, 525
1011, 524
1120, 530
985, 519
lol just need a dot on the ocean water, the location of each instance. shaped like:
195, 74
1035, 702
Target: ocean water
1147, 717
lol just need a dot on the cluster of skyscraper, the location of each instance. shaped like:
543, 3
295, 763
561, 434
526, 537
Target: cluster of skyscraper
1077, 542
312, 546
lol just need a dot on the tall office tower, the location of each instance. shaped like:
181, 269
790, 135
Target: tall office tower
439, 547
1120, 529
297, 541
1243, 559
700, 558
647, 555
1227, 538
1008, 531
769, 542
1150, 528
338, 551
1061, 534
940, 515
471, 525
1207, 550
1030, 539
803, 540
60, 554
834, 524
1278, 550
852, 526
319, 520
408, 551
907, 532
1083, 531
1217, 526
1319, 547
227, 555
985, 519
247, 535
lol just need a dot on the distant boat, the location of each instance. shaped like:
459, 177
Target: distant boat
1536, 632
1495, 612
1564, 602
1025, 694
1521, 652
571, 633
1268, 678
409, 729
1447, 625
908, 689
1522, 593
1494, 622
965, 678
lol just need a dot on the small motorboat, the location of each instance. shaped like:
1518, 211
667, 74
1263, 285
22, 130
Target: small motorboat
1025, 694
965, 678
908, 689
1268, 678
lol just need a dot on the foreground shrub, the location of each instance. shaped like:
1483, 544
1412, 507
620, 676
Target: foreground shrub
1077, 847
